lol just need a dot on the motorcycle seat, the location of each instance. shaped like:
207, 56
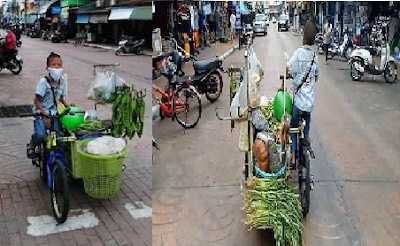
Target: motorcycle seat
204, 65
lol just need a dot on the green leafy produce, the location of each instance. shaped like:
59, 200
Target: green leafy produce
272, 202
268, 112
128, 113
89, 127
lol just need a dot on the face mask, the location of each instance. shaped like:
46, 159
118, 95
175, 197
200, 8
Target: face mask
55, 73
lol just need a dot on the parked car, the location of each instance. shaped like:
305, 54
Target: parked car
283, 23
260, 24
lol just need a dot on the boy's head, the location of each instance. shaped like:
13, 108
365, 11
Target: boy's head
309, 33
54, 66
54, 61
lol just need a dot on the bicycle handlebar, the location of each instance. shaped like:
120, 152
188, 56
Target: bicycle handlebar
67, 112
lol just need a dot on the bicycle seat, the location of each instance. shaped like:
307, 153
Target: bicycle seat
181, 80
204, 65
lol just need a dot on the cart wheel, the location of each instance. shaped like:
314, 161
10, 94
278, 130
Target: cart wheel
59, 193
304, 182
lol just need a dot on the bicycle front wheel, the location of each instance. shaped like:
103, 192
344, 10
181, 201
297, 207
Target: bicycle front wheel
187, 107
60, 192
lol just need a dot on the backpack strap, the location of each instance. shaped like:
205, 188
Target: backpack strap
305, 77
52, 90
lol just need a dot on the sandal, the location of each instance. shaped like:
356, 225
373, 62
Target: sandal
30, 153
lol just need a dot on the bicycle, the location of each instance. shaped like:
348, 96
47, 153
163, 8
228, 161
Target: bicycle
305, 179
52, 161
174, 102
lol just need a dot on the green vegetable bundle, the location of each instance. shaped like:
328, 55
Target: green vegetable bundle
268, 112
89, 127
272, 202
128, 113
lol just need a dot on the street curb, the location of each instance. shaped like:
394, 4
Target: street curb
109, 48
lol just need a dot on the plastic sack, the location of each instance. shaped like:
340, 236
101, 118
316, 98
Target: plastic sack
105, 146
239, 102
90, 115
256, 74
103, 87
259, 120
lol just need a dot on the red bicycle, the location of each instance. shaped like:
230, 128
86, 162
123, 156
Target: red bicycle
180, 101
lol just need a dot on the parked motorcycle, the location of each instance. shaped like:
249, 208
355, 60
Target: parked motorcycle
246, 36
56, 37
34, 33
206, 79
13, 63
129, 45
361, 62
336, 49
19, 43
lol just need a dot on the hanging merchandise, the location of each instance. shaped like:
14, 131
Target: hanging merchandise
128, 112
103, 86
256, 74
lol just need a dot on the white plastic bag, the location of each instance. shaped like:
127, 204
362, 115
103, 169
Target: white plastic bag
105, 146
103, 86
255, 76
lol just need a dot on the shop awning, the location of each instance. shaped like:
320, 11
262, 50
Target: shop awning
82, 19
44, 7
98, 18
121, 13
142, 13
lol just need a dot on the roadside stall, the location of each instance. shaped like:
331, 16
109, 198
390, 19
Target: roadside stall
89, 148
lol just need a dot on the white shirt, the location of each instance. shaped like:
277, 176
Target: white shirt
299, 65
233, 21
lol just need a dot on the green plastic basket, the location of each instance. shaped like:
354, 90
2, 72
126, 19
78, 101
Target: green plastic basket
101, 174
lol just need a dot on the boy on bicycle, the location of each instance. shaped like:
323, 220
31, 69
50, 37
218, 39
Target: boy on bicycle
50, 90
303, 66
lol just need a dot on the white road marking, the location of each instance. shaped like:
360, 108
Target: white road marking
45, 224
137, 212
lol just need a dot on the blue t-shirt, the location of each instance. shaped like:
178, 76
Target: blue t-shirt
46, 95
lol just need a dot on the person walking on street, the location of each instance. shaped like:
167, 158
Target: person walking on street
233, 26
328, 38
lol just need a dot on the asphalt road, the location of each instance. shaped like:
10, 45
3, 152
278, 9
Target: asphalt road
355, 136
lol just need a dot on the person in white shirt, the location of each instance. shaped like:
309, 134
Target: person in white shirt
303, 63
328, 38
233, 26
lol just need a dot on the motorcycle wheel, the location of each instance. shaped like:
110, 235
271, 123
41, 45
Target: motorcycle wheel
391, 73
139, 50
18, 66
355, 75
118, 52
215, 79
